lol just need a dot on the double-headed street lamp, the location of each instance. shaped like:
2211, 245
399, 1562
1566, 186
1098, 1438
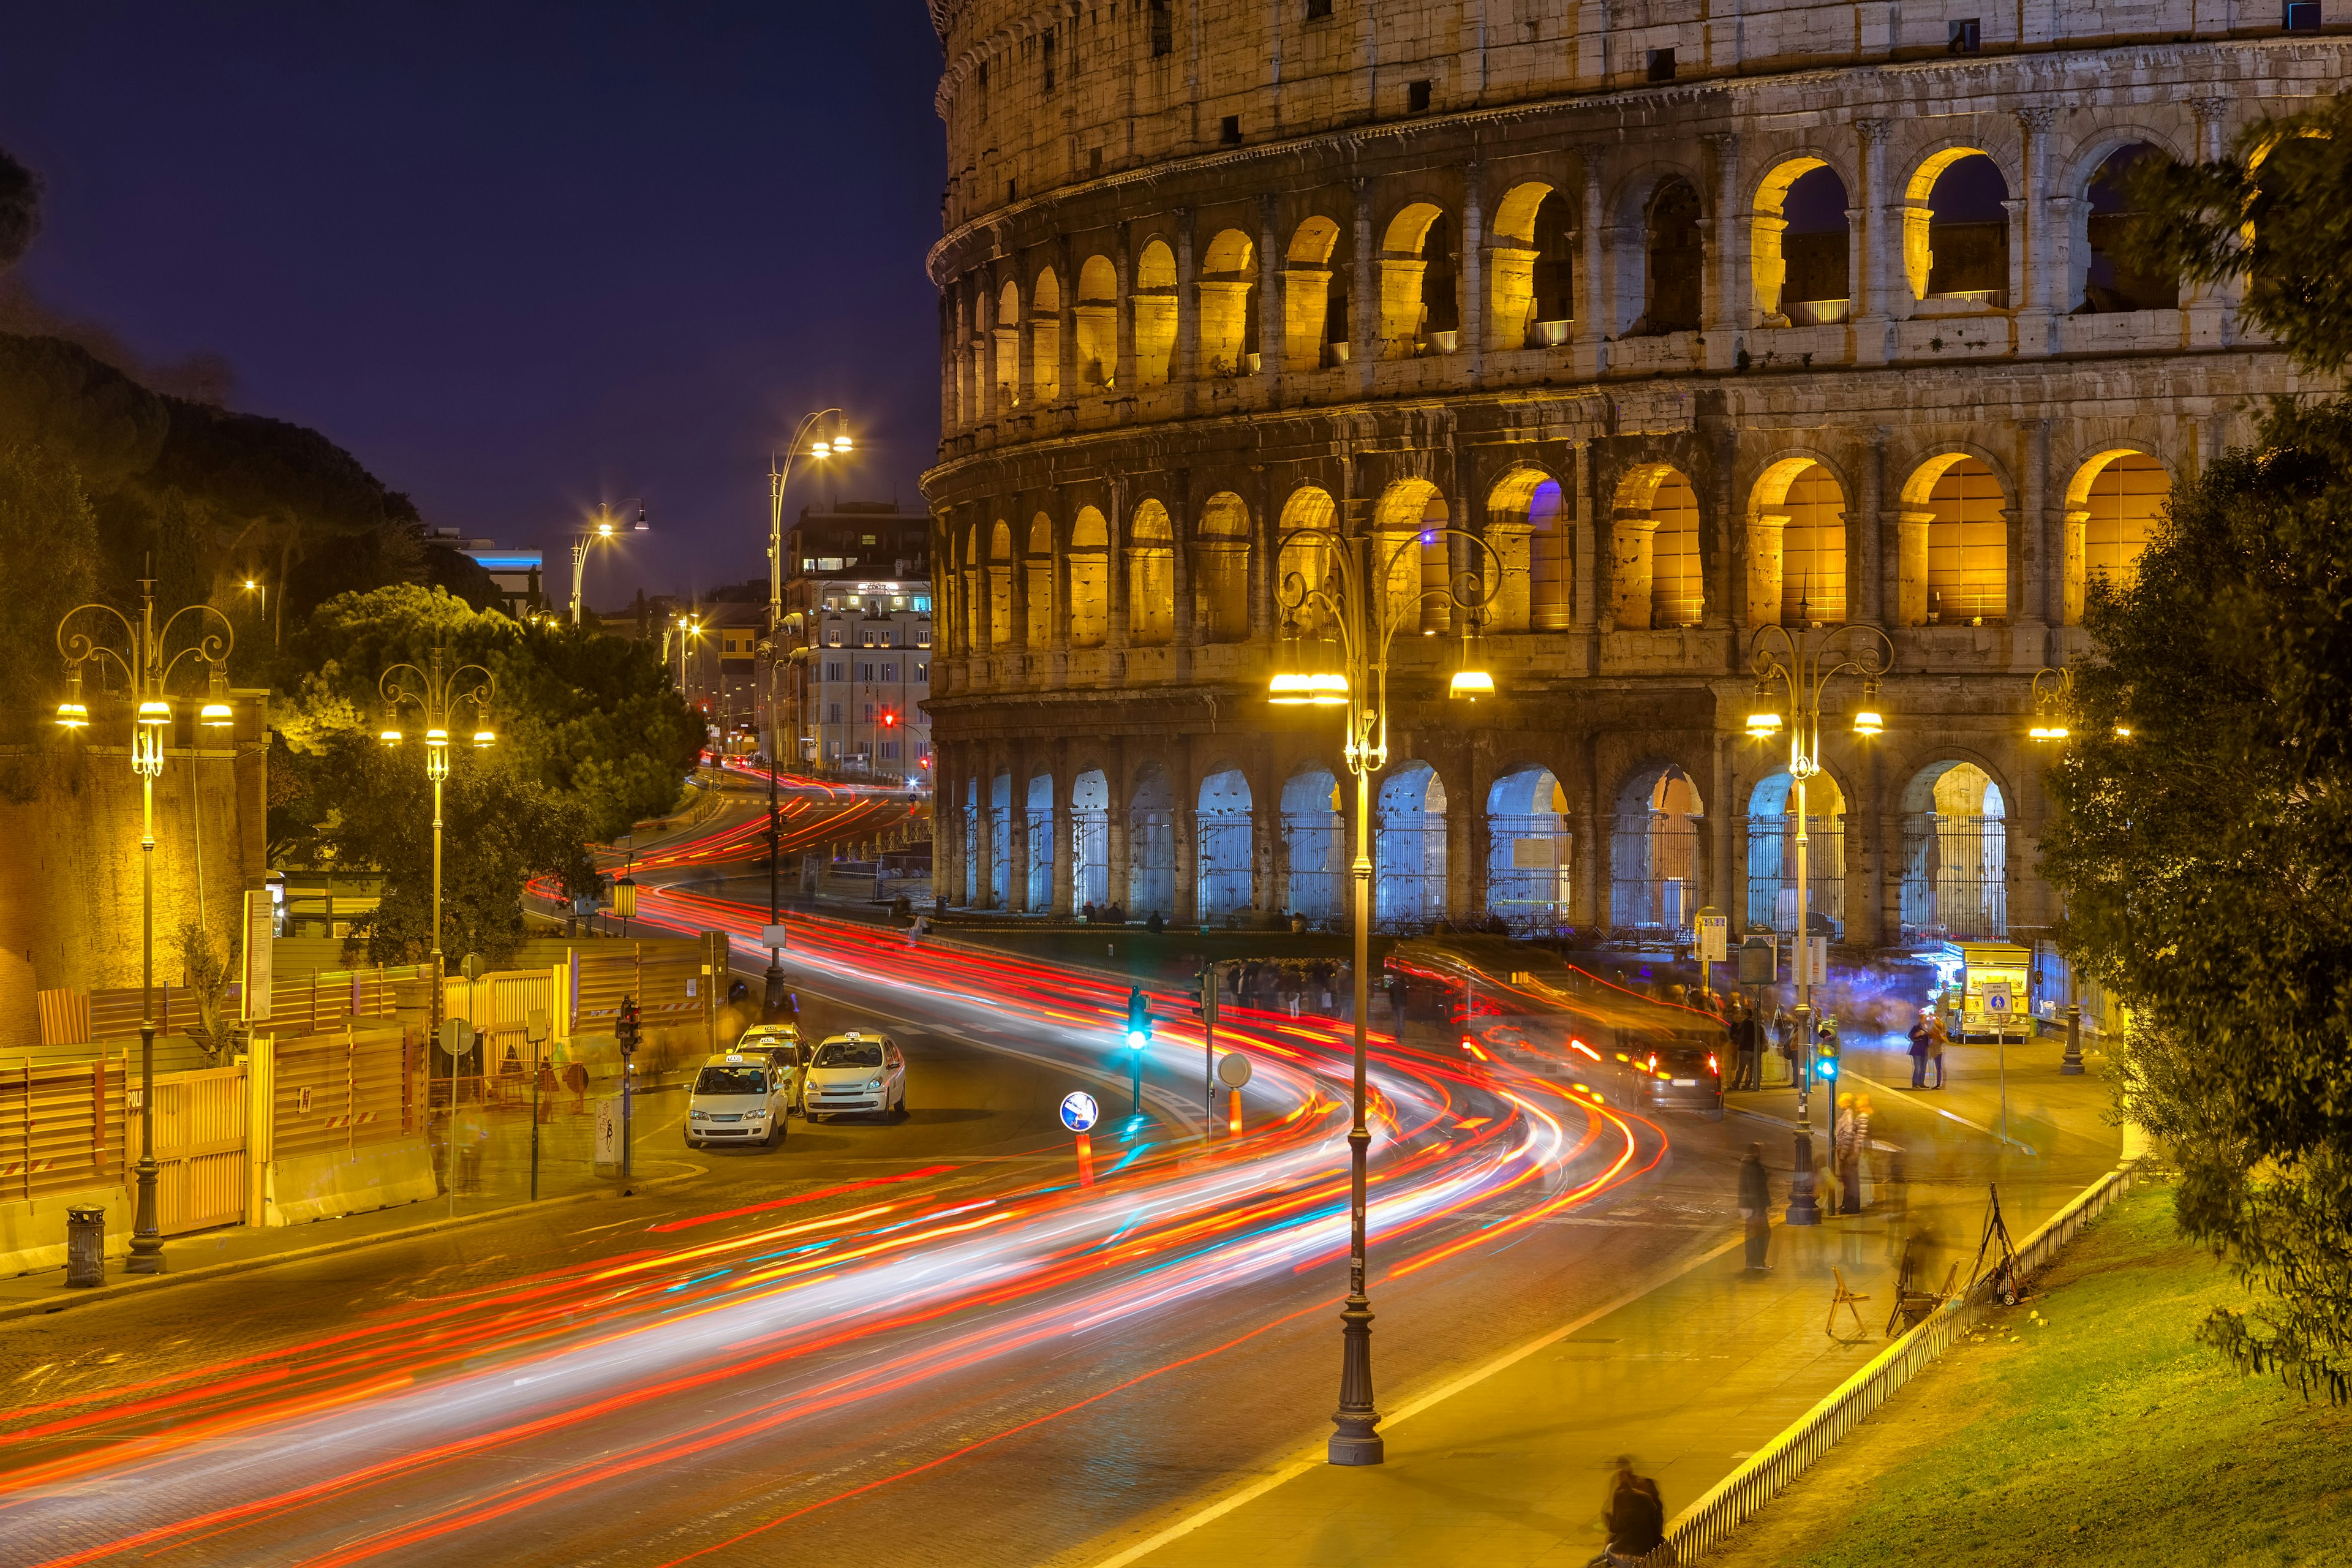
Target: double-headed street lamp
1347, 667
2053, 700
603, 529
1804, 665
142, 654
437, 697
779, 472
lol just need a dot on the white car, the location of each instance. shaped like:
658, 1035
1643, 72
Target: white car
780, 1047
856, 1072
738, 1098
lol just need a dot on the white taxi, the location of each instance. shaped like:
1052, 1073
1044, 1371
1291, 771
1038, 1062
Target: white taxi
855, 1072
738, 1098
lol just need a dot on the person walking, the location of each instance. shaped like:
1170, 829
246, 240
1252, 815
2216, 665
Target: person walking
1399, 998
1842, 1145
1756, 1207
1636, 1517
1784, 1036
1747, 1034
1936, 1040
1863, 1191
1922, 1033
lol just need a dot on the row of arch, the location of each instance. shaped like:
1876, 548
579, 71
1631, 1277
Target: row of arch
1953, 522
1953, 853
1950, 233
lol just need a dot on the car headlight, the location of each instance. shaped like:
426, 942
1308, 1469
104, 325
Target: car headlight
874, 1083
700, 1115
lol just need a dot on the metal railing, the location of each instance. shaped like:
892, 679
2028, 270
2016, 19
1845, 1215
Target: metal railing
1709, 1521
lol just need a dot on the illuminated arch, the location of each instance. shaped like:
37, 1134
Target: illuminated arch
1220, 558
1098, 325
1799, 275
1151, 577
2114, 504
1227, 294
1797, 545
1528, 561
1089, 578
1155, 314
1955, 505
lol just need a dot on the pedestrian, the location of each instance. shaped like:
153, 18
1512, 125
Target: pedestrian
915, 932
1936, 1040
1755, 1207
1863, 1187
1747, 1039
1636, 1517
575, 1079
546, 1087
1842, 1147
1922, 1034
1399, 998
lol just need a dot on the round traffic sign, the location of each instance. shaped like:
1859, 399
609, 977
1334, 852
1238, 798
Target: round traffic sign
1079, 1110
1232, 1069
456, 1036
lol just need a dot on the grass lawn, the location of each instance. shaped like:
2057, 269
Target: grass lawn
2085, 1425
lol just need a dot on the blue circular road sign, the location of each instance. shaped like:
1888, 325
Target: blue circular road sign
1079, 1110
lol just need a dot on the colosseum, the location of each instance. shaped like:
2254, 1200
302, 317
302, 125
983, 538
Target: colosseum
1682, 320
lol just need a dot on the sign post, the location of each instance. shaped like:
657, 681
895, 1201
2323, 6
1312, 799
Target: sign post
1233, 1072
1209, 1033
535, 1030
1999, 1001
1714, 932
457, 1040
1080, 1113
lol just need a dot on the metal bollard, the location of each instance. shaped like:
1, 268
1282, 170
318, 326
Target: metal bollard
85, 1245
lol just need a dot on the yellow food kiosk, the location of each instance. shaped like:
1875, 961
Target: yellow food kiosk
1961, 970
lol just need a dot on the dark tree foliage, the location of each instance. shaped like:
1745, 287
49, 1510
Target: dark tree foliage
2207, 857
49, 559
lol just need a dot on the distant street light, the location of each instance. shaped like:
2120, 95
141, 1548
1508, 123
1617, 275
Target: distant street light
605, 529
437, 697
1804, 665
254, 586
1363, 615
142, 656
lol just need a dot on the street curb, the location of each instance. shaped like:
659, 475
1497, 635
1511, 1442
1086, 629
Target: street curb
140, 1284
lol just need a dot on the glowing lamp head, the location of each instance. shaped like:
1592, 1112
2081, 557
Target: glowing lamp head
1471, 685
822, 450
214, 716
1763, 717
841, 441
484, 737
437, 738
154, 714
73, 715
604, 531
1327, 691
2048, 731
1289, 689
390, 737
2123, 732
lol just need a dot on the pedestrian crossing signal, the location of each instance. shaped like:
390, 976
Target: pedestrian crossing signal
1138, 1020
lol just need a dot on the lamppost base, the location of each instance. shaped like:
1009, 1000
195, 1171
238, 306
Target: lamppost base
771, 1000
1356, 1441
146, 1255
1804, 1204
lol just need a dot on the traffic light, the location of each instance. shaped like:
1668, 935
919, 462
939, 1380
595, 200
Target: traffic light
890, 719
628, 1029
1825, 1059
1138, 1020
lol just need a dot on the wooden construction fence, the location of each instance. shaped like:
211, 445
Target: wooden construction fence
61, 1128
312, 1003
343, 1091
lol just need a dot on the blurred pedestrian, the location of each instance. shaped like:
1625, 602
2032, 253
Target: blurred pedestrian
1755, 1207
575, 1079
1922, 1034
1399, 998
1936, 1040
1863, 1189
1746, 1043
1636, 1517
1842, 1147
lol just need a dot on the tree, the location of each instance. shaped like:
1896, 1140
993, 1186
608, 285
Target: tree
48, 557
2206, 857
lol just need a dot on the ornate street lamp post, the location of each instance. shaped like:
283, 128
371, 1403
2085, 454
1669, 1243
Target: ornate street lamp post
1804, 665
2053, 700
1354, 606
437, 697
142, 654
606, 530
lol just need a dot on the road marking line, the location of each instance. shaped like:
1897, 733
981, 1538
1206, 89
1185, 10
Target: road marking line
1292, 1471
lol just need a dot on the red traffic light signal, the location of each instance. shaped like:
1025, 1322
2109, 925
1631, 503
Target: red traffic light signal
888, 718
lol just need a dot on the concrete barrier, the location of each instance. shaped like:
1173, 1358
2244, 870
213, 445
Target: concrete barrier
303, 1187
33, 1230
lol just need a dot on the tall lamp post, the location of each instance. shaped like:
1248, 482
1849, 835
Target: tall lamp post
605, 529
2054, 701
436, 696
1362, 614
1804, 665
771, 1000
142, 652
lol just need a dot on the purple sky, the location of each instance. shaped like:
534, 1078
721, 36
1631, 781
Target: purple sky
516, 257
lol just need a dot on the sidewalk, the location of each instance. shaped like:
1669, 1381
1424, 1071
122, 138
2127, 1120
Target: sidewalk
499, 1185
1506, 1468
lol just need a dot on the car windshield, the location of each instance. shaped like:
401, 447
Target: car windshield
732, 1081
849, 1054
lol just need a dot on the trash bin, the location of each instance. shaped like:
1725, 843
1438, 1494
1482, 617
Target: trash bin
85, 1244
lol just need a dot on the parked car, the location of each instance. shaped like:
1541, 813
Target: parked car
781, 1047
855, 1072
737, 1098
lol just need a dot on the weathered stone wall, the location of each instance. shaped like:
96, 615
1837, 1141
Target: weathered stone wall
1157, 362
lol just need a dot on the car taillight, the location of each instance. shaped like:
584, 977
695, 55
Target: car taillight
1711, 1066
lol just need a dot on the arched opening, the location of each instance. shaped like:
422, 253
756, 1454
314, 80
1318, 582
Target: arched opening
1956, 230
1151, 843
2105, 280
1409, 849
1675, 251
975, 591
1089, 578
1097, 324
2112, 510
1954, 854
1038, 875
1965, 540
1227, 289
2291, 169
1677, 583
1315, 295
1772, 853
1220, 555
1653, 852
1406, 508
1155, 313
1039, 582
1221, 831
1090, 839
1418, 312
1527, 849
1532, 298
1314, 839
1151, 577
1045, 336
1000, 585
1800, 246
1007, 333
1796, 555
969, 894
1000, 842
1525, 566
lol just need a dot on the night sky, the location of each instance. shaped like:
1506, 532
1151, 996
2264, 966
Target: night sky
517, 258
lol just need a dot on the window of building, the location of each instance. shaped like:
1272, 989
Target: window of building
1662, 65
832, 670
865, 672
1163, 28
808, 563
835, 747
2303, 16
1967, 36
922, 672
1317, 9
832, 716
1045, 50
1416, 97
869, 713
1229, 130
835, 638
923, 607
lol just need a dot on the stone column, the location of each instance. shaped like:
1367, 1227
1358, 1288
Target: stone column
985, 304
2212, 308
1633, 532
1721, 317
1264, 533
1766, 569
1185, 635
1364, 296
1580, 513
1116, 787
1865, 537
1065, 325
1272, 300
1875, 229
1472, 273
1910, 591
1115, 573
951, 405
983, 846
1065, 824
1186, 371
1058, 579
2074, 554
2033, 594
1024, 349
1016, 827
1019, 639
1124, 377
1594, 299
2035, 323
1185, 831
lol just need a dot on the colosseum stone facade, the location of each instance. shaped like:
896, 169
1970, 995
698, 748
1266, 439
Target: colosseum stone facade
1702, 318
